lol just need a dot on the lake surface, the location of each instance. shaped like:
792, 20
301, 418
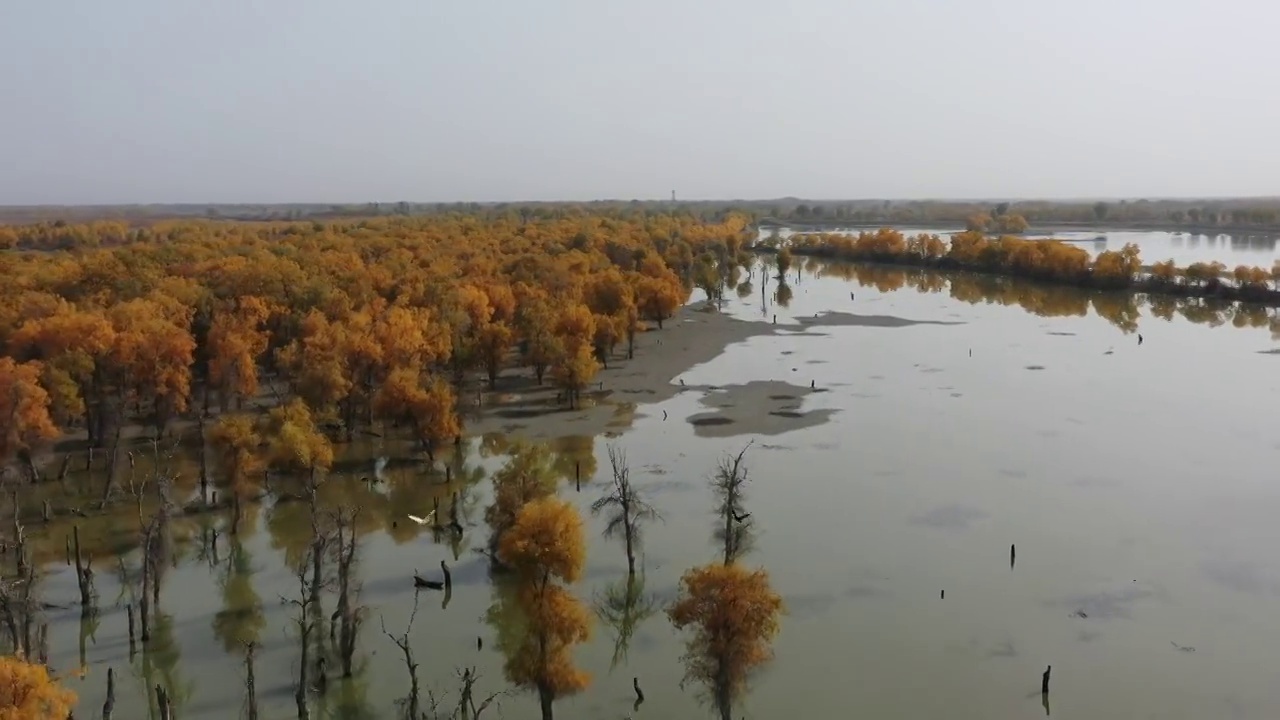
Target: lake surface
1136, 482
1258, 249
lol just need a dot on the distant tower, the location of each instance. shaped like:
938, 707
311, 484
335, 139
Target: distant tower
673, 196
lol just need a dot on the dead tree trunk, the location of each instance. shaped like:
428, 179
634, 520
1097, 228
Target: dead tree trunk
84, 575
109, 705
250, 685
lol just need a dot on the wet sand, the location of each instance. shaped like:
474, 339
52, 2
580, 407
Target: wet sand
696, 335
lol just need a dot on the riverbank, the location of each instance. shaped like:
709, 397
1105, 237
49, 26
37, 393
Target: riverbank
1199, 280
696, 335
1035, 227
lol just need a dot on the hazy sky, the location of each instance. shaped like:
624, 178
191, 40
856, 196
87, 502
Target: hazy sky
110, 101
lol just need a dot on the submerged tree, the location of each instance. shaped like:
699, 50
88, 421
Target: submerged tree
733, 613
729, 485
546, 544
627, 508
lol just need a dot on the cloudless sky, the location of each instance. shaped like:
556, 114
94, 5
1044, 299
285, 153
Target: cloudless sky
121, 101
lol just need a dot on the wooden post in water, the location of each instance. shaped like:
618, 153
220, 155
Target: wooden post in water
109, 704
68, 539
448, 578
448, 474
82, 571
577, 475
162, 702
1013, 555
129, 611
1044, 680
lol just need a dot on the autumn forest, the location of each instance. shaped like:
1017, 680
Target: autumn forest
167, 385
264, 348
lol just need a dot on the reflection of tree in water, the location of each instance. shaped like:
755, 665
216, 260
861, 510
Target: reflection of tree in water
566, 456
573, 453
241, 620
1121, 309
783, 294
157, 664
350, 701
528, 475
623, 606
505, 615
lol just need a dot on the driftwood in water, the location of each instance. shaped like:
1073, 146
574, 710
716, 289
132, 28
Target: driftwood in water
421, 582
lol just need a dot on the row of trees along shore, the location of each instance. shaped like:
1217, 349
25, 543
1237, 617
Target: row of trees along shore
265, 347
1121, 309
1044, 260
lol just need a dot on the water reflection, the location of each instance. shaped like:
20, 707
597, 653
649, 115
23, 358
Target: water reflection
623, 607
1121, 309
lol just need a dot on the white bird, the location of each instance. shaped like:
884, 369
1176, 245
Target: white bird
423, 520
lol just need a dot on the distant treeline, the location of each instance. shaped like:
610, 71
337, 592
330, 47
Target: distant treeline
1217, 214
1044, 260
1200, 215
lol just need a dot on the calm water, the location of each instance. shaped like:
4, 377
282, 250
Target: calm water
1137, 486
1183, 248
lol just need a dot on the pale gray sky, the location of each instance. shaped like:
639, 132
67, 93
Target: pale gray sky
111, 101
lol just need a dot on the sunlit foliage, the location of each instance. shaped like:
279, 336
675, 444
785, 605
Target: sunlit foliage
546, 546
27, 692
733, 615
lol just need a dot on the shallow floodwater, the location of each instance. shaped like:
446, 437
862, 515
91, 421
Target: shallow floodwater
1136, 482
1255, 249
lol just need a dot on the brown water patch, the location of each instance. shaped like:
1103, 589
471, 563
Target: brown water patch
709, 421
757, 408
834, 318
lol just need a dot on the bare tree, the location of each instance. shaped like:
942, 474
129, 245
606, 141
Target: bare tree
308, 611
729, 484
347, 618
250, 682
627, 507
409, 702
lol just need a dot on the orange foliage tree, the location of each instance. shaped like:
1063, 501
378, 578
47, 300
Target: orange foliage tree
235, 439
27, 692
295, 442
733, 614
24, 405
546, 544
428, 406
237, 338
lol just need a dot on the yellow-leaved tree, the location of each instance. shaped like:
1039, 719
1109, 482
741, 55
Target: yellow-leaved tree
733, 613
27, 692
235, 439
546, 545
296, 444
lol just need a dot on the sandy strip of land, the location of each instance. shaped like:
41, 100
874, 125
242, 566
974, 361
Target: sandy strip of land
696, 335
